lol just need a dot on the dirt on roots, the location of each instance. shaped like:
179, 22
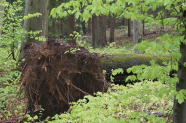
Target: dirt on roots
56, 73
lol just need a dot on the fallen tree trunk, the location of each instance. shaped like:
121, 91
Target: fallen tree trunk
129, 60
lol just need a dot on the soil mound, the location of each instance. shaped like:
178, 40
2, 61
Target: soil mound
56, 73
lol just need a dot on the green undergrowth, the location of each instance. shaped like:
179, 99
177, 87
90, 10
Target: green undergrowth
111, 48
10, 103
121, 104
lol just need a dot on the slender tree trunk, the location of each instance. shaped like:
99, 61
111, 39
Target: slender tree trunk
1, 15
83, 22
59, 28
137, 34
109, 20
62, 28
179, 110
36, 23
93, 30
89, 26
143, 27
71, 24
99, 31
124, 22
79, 25
83, 27
54, 23
129, 27
111, 38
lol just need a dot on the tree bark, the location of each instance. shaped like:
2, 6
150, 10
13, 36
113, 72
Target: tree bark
137, 34
124, 21
71, 24
62, 28
179, 110
54, 23
111, 38
129, 28
79, 25
93, 30
99, 31
143, 27
103, 29
89, 26
83, 27
1, 15
35, 23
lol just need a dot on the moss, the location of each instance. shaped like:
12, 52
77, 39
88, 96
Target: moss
121, 59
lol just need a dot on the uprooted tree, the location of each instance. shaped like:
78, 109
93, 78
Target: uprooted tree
56, 73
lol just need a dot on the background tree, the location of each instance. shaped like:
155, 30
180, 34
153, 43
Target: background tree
37, 23
70, 30
137, 34
99, 31
112, 28
89, 26
129, 27
1, 14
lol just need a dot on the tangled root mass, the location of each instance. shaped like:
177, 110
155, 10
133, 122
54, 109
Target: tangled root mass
53, 76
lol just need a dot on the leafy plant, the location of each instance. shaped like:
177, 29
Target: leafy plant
12, 28
122, 104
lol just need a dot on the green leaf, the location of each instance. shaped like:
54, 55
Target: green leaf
180, 97
53, 12
132, 78
153, 7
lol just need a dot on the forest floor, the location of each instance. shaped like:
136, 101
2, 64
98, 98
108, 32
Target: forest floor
121, 38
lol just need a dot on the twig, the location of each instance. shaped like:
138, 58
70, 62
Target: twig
69, 110
61, 97
80, 90
58, 75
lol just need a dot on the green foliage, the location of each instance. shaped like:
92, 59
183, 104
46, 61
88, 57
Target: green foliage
122, 104
9, 88
111, 48
115, 72
12, 28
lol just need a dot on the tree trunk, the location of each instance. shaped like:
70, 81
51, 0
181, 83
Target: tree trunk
62, 28
54, 23
179, 110
111, 38
124, 21
109, 20
97, 42
137, 34
36, 23
103, 29
99, 31
93, 30
129, 28
143, 27
89, 26
1, 15
83, 27
71, 29
125, 61
79, 25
